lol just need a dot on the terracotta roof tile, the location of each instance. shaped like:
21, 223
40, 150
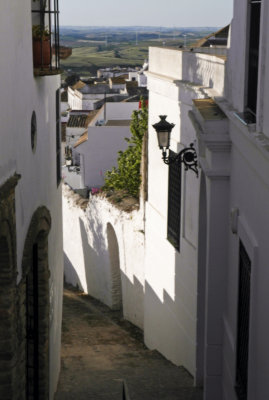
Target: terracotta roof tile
78, 85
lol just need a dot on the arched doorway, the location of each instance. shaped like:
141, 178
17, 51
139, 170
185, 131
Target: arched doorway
116, 287
201, 286
9, 335
8, 340
35, 299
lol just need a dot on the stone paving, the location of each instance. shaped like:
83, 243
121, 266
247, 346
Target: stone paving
100, 350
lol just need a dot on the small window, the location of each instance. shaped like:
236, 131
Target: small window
253, 60
243, 323
33, 131
58, 138
174, 204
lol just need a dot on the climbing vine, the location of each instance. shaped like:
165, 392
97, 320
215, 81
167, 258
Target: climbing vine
126, 176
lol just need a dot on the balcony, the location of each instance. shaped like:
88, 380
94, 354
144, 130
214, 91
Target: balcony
46, 42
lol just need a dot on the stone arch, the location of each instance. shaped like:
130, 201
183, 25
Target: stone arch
115, 272
201, 289
8, 355
34, 294
8, 292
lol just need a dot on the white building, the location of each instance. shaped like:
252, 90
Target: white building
97, 151
139, 75
114, 111
113, 72
118, 83
171, 276
31, 265
89, 97
77, 124
206, 302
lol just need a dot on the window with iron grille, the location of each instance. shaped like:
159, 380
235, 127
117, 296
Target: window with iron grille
46, 39
243, 324
58, 137
253, 61
174, 206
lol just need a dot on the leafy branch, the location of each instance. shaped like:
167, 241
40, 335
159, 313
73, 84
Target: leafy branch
126, 176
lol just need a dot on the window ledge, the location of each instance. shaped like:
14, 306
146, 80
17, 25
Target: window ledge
47, 71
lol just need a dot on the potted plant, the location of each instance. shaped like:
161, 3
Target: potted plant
41, 46
68, 160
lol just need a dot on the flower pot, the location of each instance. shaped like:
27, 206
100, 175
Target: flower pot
41, 52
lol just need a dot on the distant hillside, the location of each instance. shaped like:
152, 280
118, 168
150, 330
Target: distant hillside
95, 47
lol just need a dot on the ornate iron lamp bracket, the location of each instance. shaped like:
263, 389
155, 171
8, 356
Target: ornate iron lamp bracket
187, 156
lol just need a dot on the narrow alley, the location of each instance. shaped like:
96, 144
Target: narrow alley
100, 350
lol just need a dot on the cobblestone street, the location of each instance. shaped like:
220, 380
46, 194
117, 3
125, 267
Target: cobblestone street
99, 350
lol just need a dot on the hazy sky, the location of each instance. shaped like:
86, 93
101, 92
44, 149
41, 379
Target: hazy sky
178, 13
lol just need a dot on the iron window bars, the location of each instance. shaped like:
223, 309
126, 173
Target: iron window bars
253, 61
241, 386
174, 203
46, 38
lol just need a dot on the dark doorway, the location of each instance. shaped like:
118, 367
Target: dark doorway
32, 329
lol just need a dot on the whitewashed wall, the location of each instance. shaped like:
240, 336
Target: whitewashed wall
100, 152
249, 195
73, 134
174, 79
117, 110
84, 101
87, 258
38, 185
200, 69
142, 80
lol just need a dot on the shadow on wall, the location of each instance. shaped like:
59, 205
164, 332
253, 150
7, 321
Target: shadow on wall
96, 263
170, 323
115, 271
94, 267
70, 273
165, 318
104, 278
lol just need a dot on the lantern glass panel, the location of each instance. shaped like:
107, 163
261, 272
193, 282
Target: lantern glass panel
163, 139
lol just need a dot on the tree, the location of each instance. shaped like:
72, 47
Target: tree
126, 176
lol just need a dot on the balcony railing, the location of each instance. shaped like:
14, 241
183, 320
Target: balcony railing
46, 40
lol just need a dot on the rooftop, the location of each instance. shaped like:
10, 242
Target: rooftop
218, 38
118, 79
118, 122
81, 120
78, 85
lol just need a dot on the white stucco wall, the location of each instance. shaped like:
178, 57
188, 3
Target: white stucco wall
73, 134
37, 186
174, 79
100, 152
87, 263
200, 69
142, 80
84, 101
249, 185
114, 111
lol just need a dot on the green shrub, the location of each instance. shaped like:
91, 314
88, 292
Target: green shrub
126, 176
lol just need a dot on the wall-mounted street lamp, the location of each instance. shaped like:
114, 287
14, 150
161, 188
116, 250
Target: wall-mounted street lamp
187, 156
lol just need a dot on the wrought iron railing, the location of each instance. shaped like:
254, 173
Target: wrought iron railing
46, 38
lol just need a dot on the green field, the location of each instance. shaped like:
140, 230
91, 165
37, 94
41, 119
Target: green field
117, 47
89, 59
